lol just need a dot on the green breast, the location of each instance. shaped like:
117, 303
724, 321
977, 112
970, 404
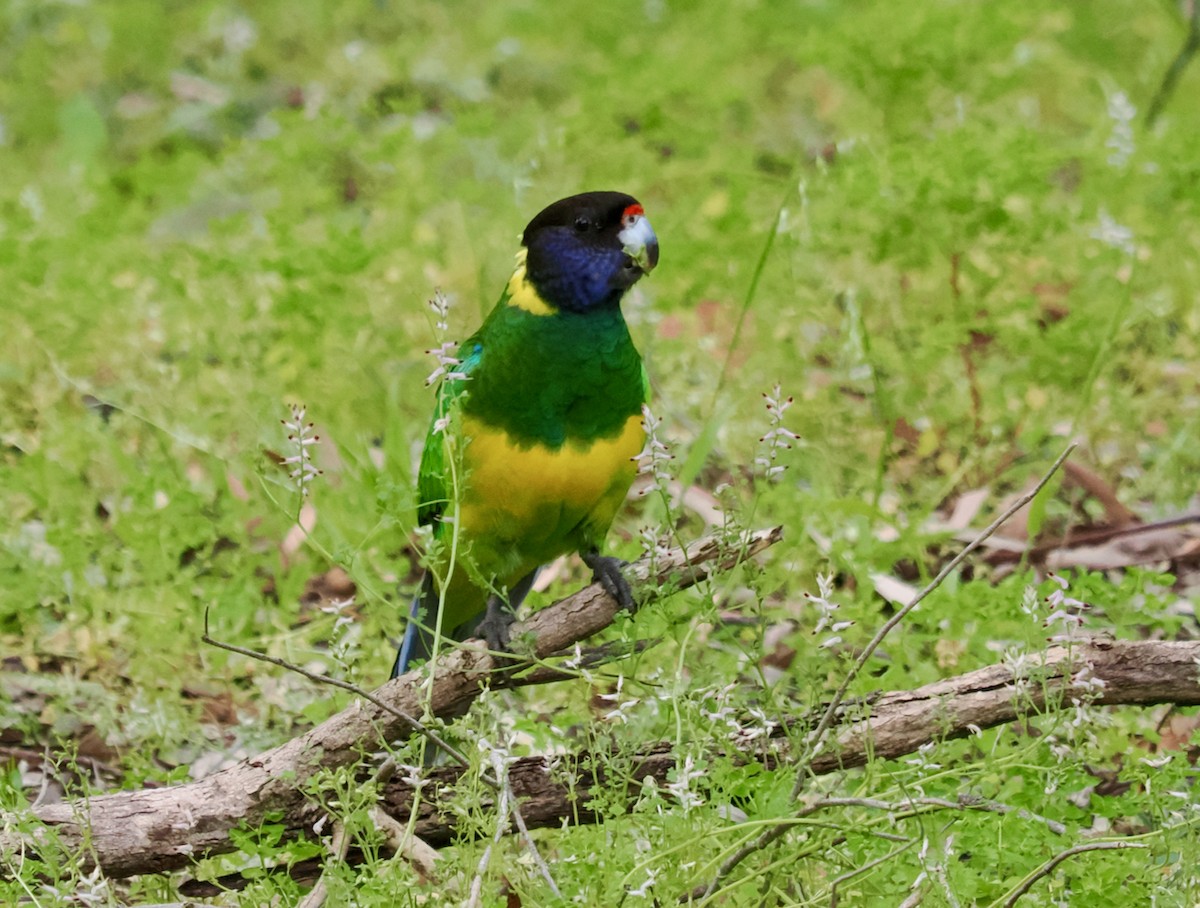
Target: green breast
555, 379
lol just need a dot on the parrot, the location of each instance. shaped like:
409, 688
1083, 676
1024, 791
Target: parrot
537, 426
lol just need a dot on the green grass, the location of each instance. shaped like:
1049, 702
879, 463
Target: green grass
210, 212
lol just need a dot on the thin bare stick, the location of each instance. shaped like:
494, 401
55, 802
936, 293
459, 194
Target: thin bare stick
1170, 78
542, 866
388, 766
416, 725
900, 810
859, 871
1039, 552
973, 802
907, 808
338, 847
1046, 869
817, 738
502, 813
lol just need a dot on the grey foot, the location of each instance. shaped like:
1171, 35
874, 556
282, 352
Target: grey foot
606, 571
496, 625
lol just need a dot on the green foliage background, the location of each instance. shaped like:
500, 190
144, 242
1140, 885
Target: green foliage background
930, 222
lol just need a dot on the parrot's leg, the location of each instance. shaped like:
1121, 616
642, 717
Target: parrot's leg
606, 571
501, 613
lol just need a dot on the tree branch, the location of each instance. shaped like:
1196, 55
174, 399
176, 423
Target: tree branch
1136, 673
162, 829
564, 787
1191, 44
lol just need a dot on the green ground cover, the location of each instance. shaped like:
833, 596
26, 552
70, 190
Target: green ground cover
943, 228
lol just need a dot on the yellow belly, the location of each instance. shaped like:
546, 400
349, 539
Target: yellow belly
523, 506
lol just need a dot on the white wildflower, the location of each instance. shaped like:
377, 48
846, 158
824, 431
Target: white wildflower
778, 438
643, 891
1112, 234
655, 456
1065, 610
827, 608
304, 471
446, 361
1030, 603
681, 787
440, 304
922, 760
623, 706
1087, 681
1120, 141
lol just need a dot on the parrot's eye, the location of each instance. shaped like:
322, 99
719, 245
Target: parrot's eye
582, 224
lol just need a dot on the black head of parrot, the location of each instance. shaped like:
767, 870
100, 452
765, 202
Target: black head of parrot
585, 251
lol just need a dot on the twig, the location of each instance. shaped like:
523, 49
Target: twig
938, 871
901, 810
498, 765
1092, 537
542, 866
817, 737
477, 883
74, 763
1170, 79
906, 808
385, 770
976, 803
859, 871
338, 847
416, 725
588, 658
1046, 869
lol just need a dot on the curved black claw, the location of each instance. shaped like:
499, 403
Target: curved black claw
606, 571
496, 624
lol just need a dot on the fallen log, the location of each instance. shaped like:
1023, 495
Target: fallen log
893, 724
552, 790
162, 829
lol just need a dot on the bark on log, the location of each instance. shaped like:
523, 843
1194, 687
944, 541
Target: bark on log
162, 829
551, 790
1135, 673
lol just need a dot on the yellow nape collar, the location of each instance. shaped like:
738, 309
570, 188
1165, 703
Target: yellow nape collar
521, 293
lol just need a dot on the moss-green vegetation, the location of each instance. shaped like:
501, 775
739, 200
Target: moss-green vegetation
938, 225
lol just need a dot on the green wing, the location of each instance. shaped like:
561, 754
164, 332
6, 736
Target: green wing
433, 480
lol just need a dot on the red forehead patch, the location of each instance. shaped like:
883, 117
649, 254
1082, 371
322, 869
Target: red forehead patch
632, 210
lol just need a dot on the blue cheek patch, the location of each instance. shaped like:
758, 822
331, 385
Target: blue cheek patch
579, 278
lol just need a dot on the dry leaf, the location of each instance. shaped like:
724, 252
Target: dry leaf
1176, 733
1092, 483
298, 533
966, 508
237, 488
334, 584
893, 589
